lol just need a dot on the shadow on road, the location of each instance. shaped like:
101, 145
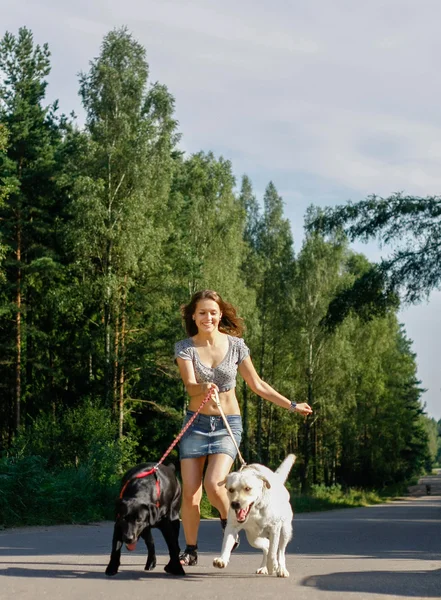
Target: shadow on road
406, 530
123, 575
412, 584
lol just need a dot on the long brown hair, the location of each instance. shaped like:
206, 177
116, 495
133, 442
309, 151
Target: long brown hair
229, 323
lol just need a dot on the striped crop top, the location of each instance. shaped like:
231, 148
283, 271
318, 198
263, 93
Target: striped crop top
224, 375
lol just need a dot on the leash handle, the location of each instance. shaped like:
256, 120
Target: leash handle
227, 426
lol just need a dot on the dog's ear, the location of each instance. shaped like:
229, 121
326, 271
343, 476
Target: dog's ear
223, 482
265, 481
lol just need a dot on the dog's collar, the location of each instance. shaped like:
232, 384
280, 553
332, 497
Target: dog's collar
141, 476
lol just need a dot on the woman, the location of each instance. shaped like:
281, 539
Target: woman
210, 358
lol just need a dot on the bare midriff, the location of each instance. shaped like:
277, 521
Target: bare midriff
228, 401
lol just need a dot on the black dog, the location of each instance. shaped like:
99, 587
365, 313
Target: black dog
150, 501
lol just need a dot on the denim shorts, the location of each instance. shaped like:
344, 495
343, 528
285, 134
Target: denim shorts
208, 435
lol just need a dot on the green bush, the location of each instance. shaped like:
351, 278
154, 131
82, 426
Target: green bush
75, 436
327, 498
30, 494
64, 469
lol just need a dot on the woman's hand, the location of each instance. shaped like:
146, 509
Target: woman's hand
206, 387
303, 408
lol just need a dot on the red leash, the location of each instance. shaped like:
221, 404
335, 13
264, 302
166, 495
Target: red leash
141, 476
170, 448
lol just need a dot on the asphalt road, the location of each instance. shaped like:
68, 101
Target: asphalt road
386, 551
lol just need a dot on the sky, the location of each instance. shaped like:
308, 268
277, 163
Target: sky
332, 101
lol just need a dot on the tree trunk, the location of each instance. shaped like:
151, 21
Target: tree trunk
304, 479
306, 441
108, 378
107, 328
259, 431
115, 383
122, 355
18, 341
52, 389
245, 420
28, 354
314, 453
270, 413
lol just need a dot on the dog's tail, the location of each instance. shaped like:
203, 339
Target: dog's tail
285, 467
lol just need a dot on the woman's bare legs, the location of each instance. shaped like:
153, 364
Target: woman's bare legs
191, 473
218, 467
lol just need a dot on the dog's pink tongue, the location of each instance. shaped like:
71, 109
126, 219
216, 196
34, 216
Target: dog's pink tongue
131, 547
241, 514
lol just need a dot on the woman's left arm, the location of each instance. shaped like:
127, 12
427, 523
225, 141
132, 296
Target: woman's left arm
263, 389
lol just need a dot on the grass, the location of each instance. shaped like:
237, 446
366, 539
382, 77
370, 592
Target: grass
31, 494
324, 498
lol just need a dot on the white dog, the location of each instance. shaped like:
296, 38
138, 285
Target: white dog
259, 503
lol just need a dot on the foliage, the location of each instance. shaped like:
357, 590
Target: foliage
5, 186
330, 497
434, 441
76, 436
28, 216
32, 494
367, 297
106, 230
64, 468
410, 224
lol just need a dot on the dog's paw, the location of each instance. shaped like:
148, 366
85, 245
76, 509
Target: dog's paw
219, 563
282, 572
174, 568
150, 564
262, 571
111, 570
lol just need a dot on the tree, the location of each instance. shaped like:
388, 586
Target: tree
431, 428
209, 226
319, 268
273, 286
438, 453
29, 211
117, 227
411, 224
6, 186
251, 272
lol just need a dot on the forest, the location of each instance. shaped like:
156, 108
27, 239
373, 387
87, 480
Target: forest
106, 229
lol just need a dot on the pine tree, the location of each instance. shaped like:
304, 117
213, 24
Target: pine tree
117, 228
6, 186
274, 246
30, 209
412, 224
210, 226
318, 275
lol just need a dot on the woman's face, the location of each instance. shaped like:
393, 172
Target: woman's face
207, 316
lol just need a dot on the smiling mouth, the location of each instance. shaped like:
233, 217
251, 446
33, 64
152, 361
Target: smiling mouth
242, 513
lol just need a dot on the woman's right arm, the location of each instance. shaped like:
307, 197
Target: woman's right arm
193, 388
